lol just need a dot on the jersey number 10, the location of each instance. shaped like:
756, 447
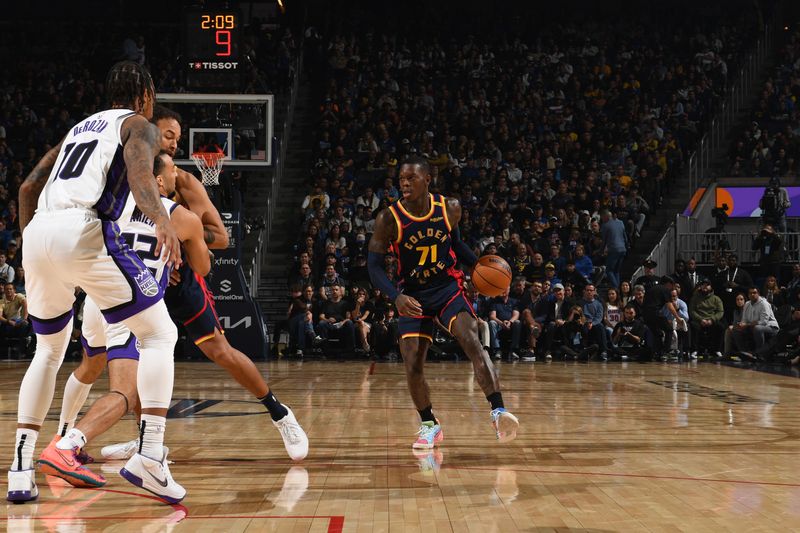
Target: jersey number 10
75, 158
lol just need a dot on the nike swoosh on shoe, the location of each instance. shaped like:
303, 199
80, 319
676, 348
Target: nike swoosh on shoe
160, 482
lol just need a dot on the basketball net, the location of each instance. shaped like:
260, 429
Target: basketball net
210, 165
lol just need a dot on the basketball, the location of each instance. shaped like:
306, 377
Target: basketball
492, 275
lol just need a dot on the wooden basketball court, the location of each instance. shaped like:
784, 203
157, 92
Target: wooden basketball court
602, 447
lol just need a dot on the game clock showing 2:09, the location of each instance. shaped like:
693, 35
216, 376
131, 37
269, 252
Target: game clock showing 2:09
211, 49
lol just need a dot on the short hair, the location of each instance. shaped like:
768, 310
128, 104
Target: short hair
422, 162
159, 163
160, 113
638, 287
629, 306
127, 82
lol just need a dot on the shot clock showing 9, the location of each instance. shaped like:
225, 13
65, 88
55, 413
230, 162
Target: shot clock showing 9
211, 49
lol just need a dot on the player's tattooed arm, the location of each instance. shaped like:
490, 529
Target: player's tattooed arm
141, 147
385, 232
32, 187
141, 142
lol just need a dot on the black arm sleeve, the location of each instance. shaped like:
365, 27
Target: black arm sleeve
463, 252
378, 275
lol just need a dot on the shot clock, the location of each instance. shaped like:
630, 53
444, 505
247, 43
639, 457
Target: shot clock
211, 49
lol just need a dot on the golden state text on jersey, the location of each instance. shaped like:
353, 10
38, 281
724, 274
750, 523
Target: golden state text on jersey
423, 246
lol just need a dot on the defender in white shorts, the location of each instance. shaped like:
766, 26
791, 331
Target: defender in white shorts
79, 189
120, 344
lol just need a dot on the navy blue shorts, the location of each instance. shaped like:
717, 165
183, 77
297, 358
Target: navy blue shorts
192, 304
444, 302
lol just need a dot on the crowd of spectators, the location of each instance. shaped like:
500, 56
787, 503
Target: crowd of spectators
559, 144
770, 143
723, 311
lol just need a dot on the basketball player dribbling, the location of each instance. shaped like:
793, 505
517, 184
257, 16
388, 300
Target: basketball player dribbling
422, 230
79, 189
190, 302
60, 458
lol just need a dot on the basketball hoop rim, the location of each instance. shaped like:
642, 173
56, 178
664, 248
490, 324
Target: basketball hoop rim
209, 158
210, 165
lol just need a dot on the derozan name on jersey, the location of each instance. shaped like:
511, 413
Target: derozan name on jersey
213, 65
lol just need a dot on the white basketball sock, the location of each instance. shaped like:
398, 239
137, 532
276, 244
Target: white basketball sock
23, 449
38, 385
75, 394
152, 436
73, 439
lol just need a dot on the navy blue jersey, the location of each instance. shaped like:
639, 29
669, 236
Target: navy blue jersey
423, 246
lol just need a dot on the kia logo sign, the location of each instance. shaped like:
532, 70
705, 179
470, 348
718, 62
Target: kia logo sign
225, 285
227, 323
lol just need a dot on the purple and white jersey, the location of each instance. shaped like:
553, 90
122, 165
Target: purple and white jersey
89, 172
140, 234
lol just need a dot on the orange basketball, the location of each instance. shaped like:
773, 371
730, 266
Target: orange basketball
492, 275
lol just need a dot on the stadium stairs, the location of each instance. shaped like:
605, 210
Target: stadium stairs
254, 200
677, 197
272, 289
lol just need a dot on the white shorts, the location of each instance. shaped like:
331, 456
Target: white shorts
72, 248
98, 336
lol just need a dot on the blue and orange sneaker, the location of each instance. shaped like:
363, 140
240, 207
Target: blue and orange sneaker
429, 460
505, 425
430, 434
66, 465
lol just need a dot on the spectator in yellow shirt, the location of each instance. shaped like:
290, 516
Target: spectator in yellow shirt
13, 313
624, 179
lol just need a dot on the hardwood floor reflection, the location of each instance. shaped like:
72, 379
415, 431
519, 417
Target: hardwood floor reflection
602, 447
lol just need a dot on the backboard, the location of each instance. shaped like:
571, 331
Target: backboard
240, 124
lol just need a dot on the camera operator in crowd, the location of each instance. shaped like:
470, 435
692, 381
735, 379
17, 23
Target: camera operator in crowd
774, 204
628, 337
770, 252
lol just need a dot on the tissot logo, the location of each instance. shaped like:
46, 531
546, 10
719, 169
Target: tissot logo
214, 65
225, 285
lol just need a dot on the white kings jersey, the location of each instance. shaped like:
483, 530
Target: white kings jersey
140, 234
90, 170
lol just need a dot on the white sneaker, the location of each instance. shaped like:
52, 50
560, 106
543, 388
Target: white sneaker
153, 476
294, 487
693, 355
22, 486
505, 425
294, 438
121, 451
